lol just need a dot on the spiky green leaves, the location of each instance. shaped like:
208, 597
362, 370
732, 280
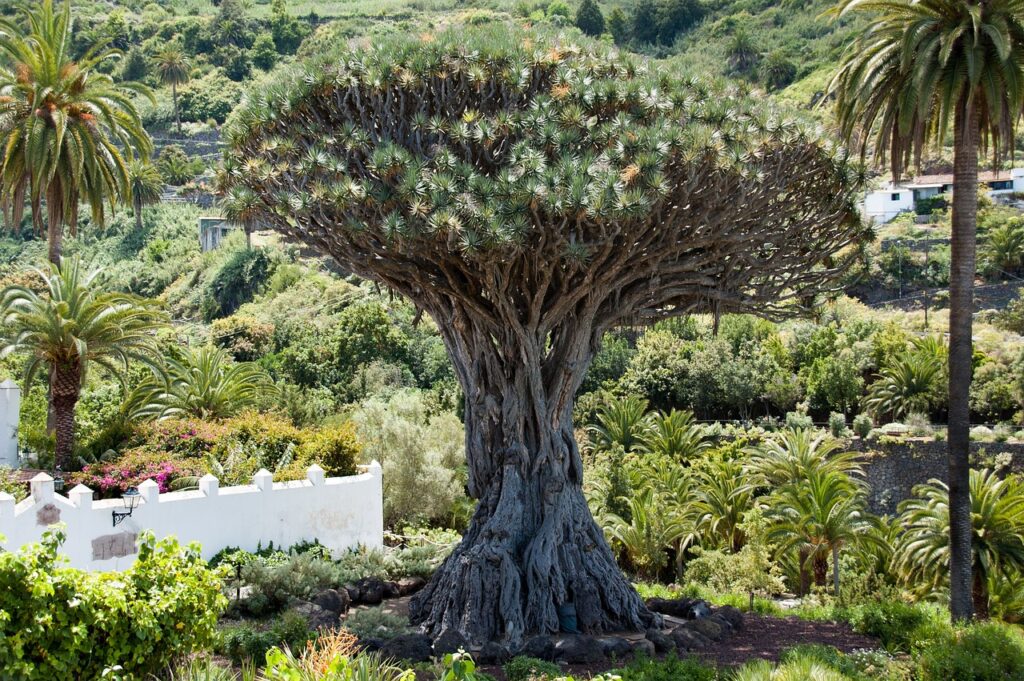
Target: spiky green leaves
436, 159
457, 136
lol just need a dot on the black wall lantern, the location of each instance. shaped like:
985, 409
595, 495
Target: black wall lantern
130, 498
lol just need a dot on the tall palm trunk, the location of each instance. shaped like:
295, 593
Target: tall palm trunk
137, 205
835, 569
805, 575
979, 595
54, 222
961, 304
65, 387
177, 115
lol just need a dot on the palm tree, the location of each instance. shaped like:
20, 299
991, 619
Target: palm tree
146, 185
205, 384
818, 516
789, 456
623, 422
66, 124
72, 326
906, 386
173, 68
997, 534
723, 498
916, 68
675, 435
648, 534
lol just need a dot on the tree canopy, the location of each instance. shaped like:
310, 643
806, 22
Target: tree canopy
485, 158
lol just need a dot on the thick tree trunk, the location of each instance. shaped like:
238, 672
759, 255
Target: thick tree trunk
961, 308
65, 387
532, 550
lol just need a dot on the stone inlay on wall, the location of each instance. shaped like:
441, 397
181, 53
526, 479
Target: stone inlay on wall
114, 545
47, 515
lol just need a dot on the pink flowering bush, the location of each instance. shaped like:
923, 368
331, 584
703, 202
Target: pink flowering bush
190, 438
111, 479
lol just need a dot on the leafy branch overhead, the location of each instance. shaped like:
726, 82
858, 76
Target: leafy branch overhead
499, 167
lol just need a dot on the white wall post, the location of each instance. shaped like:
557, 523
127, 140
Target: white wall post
7, 504
315, 474
209, 485
42, 488
264, 480
81, 496
10, 407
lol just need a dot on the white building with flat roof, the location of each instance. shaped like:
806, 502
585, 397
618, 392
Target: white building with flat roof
882, 205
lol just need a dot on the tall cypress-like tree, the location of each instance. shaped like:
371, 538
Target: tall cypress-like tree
589, 18
530, 194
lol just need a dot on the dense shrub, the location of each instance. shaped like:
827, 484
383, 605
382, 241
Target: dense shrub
897, 625
61, 623
422, 456
251, 641
523, 668
336, 449
980, 652
669, 669
111, 479
239, 278
211, 97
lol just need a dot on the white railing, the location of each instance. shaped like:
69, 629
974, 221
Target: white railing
338, 512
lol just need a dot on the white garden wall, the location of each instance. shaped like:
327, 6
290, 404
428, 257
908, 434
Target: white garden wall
339, 512
10, 405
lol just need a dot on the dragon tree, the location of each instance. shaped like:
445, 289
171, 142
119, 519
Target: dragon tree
530, 193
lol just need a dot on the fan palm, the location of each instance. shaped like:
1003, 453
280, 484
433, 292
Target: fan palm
66, 124
916, 68
146, 185
997, 534
206, 384
819, 515
174, 69
675, 435
624, 423
71, 326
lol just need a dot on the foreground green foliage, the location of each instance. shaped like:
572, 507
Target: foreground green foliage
59, 623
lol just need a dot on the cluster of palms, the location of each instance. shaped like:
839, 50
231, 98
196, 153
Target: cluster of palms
810, 493
72, 324
72, 134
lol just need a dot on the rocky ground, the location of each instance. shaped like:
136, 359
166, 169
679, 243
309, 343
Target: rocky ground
723, 635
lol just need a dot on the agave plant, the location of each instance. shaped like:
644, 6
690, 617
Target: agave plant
997, 519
